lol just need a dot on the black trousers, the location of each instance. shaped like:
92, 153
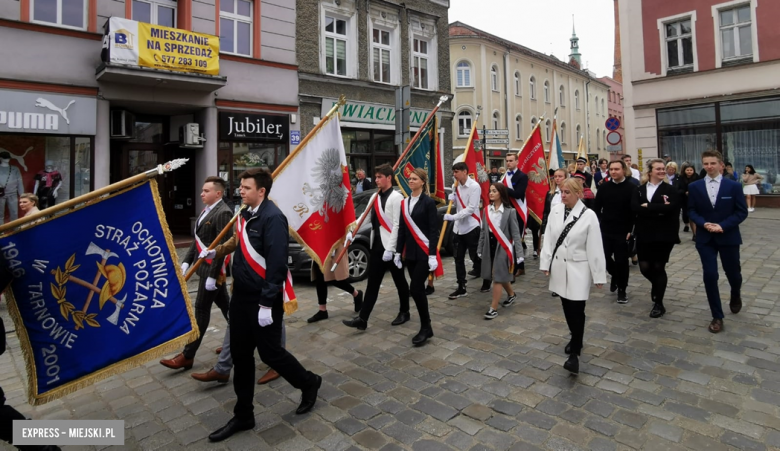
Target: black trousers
616, 253
463, 243
729, 259
203, 305
652, 263
574, 311
322, 286
535, 231
246, 335
418, 272
376, 272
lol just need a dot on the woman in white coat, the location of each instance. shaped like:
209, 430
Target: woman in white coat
573, 258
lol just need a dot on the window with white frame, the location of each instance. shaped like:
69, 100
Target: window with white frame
596, 107
157, 12
463, 74
577, 99
603, 110
604, 138
598, 139
519, 127
464, 123
235, 27
679, 44
64, 13
533, 122
736, 32
561, 96
420, 61
381, 52
496, 120
518, 84
562, 134
494, 78
532, 87
547, 92
336, 43
577, 134
547, 130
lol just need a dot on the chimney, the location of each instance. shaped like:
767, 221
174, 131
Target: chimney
617, 65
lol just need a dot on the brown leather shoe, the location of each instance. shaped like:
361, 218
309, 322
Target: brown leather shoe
218, 350
177, 362
520, 272
271, 375
716, 325
211, 376
735, 304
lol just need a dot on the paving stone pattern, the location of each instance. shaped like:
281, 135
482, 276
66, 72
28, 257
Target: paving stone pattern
644, 384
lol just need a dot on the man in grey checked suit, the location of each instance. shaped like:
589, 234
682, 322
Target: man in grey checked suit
211, 288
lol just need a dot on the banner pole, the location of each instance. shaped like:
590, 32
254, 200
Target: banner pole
85, 198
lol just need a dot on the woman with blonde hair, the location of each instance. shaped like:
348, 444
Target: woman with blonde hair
28, 203
573, 258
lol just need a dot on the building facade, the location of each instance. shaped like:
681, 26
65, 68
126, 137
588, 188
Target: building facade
516, 87
103, 121
700, 75
615, 109
366, 50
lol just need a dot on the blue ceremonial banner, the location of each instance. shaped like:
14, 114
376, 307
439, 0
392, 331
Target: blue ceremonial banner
95, 292
425, 153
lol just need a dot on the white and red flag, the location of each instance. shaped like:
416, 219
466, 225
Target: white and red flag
312, 189
532, 161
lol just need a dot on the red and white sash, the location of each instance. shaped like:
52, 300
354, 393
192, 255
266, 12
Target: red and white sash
384, 220
420, 237
257, 262
503, 241
200, 246
518, 204
463, 204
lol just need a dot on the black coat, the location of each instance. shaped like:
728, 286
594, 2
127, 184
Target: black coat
207, 231
658, 222
426, 217
547, 207
519, 182
684, 183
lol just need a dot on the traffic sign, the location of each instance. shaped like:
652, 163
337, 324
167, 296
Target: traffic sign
618, 148
612, 124
496, 132
614, 138
497, 141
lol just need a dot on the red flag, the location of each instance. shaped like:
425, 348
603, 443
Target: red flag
475, 160
532, 162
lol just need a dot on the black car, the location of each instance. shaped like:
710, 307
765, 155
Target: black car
299, 261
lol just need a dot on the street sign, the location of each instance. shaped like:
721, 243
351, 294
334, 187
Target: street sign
295, 137
614, 138
618, 148
496, 132
497, 141
612, 124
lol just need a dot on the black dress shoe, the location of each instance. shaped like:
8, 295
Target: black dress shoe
319, 316
429, 290
400, 319
613, 286
232, 426
567, 349
309, 397
735, 304
572, 365
357, 322
358, 300
657, 311
474, 273
422, 336
486, 286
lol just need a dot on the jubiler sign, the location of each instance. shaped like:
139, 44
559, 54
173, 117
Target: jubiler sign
132, 43
253, 127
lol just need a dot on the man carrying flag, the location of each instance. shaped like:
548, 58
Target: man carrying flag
534, 165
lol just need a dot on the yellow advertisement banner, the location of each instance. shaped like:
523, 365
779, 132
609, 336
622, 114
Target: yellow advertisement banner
177, 50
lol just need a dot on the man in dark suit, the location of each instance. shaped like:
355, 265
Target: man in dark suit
517, 184
362, 183
582, 163
717, 206
211, 287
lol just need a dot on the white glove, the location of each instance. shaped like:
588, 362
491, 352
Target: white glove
520, 259
387, 256
348, 239
184, 268
397, 261
479, 254
207, 254
264, 317
211, 284
432, 263
449, 217
452, 197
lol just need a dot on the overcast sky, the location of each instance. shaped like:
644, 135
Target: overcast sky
545, 26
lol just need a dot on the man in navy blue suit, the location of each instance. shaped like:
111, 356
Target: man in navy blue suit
717, 206
518, 183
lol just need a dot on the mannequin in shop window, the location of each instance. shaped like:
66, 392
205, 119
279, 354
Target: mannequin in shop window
47, 184
10, 182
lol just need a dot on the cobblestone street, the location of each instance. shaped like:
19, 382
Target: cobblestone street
643, 383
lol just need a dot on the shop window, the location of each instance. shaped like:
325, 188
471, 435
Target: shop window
463, 75
736, 32
63, 13
235, 27
158, 12
236, 157
381, 55
420, 61
336, 40
679, 44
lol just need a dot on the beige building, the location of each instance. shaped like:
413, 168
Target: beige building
516, 87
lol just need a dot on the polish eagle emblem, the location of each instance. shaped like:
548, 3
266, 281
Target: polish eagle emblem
329, 192
539, 173
482, 175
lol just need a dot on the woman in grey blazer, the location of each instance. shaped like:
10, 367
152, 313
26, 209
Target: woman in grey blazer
500, 235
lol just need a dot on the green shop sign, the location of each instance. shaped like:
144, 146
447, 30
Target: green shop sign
372, 113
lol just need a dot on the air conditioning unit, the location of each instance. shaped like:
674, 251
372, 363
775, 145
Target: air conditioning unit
189, 136
122, 124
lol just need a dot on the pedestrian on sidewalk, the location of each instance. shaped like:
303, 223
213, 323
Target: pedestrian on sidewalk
573, 258
500, 244
750, 180
717, 206
657, 207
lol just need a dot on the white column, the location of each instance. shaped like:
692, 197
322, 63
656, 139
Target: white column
102, 151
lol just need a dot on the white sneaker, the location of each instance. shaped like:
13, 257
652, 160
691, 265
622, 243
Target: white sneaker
491, 313
751, 210
509, 300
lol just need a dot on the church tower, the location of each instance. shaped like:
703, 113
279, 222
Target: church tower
575, 47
